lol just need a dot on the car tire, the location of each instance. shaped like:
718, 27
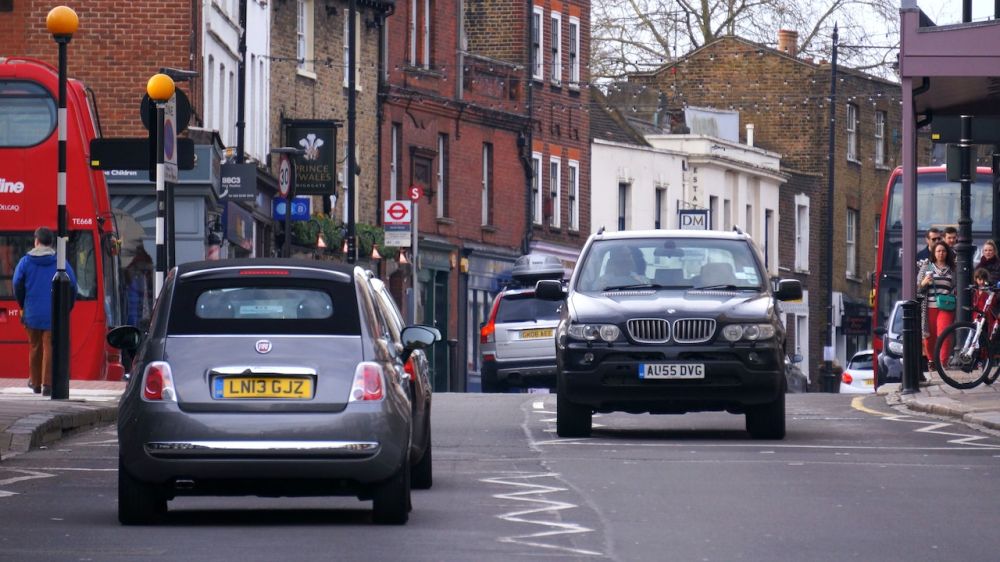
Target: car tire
138, 503
422, 475
767, 421
391, 499
572, 420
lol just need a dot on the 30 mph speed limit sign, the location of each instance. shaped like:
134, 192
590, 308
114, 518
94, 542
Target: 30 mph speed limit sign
285, 178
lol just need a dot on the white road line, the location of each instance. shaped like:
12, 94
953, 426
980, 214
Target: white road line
592, 442
531, 493
28, 475
931, 427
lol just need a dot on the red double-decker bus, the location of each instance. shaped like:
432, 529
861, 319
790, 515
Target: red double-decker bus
29, 92
937, 205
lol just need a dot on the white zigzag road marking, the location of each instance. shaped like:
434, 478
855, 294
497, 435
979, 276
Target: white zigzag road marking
931, 427
530, 492
28, 475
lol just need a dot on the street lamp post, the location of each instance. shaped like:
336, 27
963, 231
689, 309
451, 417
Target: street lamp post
160, 89
62, 22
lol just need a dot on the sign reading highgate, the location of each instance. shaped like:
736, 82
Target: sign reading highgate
315, 166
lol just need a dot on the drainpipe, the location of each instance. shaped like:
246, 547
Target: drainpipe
525, 141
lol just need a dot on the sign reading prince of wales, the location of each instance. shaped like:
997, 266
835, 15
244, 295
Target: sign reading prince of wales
315, 166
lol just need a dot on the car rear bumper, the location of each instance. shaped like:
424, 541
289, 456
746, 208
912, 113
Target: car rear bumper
523, 373
613, 383
358, 446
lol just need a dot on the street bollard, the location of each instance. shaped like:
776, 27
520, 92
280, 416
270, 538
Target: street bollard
911, 347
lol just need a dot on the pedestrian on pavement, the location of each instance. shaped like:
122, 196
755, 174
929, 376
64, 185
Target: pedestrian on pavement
33, 291
936, 283
934, 236
951, 237
990, 261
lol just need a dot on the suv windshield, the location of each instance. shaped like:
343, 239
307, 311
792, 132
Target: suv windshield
525, 308
678, 263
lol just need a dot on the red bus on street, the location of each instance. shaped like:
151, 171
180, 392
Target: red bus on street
29, 103
937, 205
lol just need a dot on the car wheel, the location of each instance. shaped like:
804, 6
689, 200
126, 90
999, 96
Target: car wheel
767, 421
138, 503
422, 477
572, 420
391, 499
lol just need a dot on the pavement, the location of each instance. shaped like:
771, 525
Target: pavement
29, 420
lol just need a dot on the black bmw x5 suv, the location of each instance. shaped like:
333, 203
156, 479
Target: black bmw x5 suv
669, 322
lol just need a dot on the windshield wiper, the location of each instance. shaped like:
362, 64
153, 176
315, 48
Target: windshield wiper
724, 287
633, 286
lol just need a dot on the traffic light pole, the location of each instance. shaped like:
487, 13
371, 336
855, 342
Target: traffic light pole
61, 285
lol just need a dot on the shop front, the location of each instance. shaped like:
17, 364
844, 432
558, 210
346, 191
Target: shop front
485, 271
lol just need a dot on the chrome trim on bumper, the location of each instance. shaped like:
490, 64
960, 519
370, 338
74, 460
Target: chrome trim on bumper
278, 449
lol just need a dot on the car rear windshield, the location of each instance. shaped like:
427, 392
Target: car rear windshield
863, 362
264, 306
525, 308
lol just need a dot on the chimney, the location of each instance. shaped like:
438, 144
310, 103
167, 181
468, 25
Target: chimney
788, 42
749, 134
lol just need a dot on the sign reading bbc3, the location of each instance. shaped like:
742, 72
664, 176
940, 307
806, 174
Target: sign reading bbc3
239, 182
315, 165
693, 219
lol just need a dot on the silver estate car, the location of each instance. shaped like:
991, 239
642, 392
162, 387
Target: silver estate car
268, 377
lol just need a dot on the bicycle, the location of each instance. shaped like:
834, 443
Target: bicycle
977, 359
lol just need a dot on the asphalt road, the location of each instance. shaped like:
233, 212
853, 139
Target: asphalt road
852, 480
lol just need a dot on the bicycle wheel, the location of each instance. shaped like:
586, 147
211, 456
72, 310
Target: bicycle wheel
967, 361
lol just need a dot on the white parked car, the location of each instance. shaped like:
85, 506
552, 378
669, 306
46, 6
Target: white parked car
859, 376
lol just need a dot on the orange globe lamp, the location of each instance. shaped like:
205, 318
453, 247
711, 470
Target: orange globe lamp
62, 21
160, 87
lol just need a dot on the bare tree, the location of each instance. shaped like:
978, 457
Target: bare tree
641, 35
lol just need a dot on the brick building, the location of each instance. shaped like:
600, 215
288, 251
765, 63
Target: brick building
468, 117
786, 99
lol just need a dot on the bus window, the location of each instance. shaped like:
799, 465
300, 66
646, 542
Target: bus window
80, 254
27, 114
13, 245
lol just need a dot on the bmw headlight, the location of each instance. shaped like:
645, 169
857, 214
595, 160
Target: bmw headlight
747, 332
895, 347
593, 332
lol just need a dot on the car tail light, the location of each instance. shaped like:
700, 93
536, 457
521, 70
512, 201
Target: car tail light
158, 382
847, 378
487, 332
409, 369
367, 383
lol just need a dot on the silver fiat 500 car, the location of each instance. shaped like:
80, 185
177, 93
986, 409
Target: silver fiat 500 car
266, 377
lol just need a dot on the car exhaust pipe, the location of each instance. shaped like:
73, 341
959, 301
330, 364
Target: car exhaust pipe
183, 484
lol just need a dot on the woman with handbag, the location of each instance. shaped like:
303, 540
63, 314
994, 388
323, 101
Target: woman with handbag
936, 282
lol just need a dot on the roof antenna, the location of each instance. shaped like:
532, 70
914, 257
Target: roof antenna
600, 230
737, 229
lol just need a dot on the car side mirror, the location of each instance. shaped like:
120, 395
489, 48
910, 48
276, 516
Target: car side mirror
124, 337
550, 290
795, 358
788, 290
418, 337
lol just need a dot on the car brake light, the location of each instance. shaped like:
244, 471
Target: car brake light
367, 383
487, 332
158, 382
409, 369
847, 378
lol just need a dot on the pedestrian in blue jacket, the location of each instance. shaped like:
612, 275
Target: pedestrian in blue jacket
33, 291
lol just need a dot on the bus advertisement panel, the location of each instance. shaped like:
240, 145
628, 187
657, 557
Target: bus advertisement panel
28, 199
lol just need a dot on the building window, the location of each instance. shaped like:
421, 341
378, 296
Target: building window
487, 201
658, 208
420, 33
852, 132
397, 149
537, 42
574, 195
555, 36
555, 191
574, 51
801, 233
304, 36
357, 51
850, 241
713, 212
878, 225
442, 176
536, 187
623, 196
210, 92
727, 214
748, 227
880, 138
